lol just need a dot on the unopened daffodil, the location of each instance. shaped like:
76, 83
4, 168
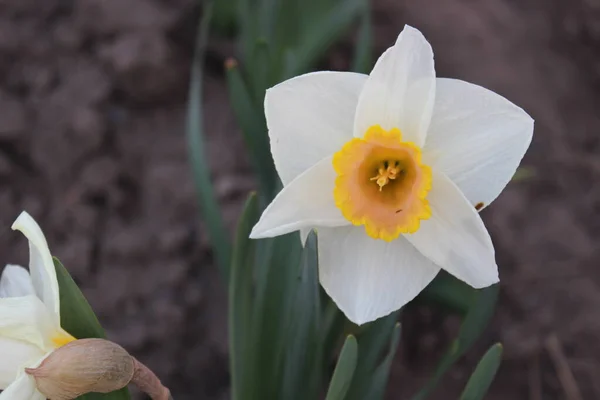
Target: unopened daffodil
30, 327
391, 169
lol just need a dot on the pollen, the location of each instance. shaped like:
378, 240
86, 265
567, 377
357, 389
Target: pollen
385, 173
382, 184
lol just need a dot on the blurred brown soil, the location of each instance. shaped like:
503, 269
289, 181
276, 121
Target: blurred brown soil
92, 101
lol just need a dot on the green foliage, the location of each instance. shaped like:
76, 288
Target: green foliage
524, 174
449, 293
284, 330
342, 376
197, 153
484, 373
477, 318
78, 318
371, 373
253, 126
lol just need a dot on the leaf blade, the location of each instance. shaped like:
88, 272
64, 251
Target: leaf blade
240, 299
483, 376
344, 370
473, 325
78, 318
197, 153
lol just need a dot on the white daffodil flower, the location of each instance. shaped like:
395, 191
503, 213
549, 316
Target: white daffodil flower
29, 316
389, 168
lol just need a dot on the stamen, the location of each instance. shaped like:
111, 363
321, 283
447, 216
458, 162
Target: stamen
386, 172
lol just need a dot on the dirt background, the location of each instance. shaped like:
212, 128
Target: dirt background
92, 97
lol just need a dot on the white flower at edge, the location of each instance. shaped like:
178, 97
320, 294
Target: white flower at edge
389, 168
29, 315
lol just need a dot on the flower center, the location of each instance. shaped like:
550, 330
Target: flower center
387, 170
382, 184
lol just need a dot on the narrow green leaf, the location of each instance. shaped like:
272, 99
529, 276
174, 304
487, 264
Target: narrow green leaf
363, 53
268, 11
326, 29
78, 318
382, 373
272, 316
254, 128
303, 365
240, 300
225, 17
448, 292
344, 370
372, 342
484, 374
249, 27
260, 73
524, 174
197, 154
476, 320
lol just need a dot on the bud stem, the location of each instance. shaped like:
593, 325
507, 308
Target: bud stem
148, 382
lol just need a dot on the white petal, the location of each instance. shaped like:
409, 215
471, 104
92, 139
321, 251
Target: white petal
310, 117
477, 138
454, 237
400, 91
41, 266
23, 388
27, 319
14, 356
15, 281
306, 202
369, 278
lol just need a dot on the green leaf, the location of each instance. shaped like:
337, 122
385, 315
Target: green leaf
254, 128
363, 62
524, 174
476, 320
382, 373
448, 292
78, 318
240, 300
484, 374
304, 344
372, 341
272, 314
248, 18
260, 73
76, 315
325, 30
197, 154
342, 375
224, 17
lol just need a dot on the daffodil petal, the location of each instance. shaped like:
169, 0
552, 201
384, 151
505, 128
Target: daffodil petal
400, 91
454, 237
14, 356
477, 138
27, 319
305, 203
309, 118
23, 388
15, 281
370, 278
41, 266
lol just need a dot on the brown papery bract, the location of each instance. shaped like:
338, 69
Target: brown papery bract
93, 365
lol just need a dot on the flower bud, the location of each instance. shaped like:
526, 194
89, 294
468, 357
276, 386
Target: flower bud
83, 366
